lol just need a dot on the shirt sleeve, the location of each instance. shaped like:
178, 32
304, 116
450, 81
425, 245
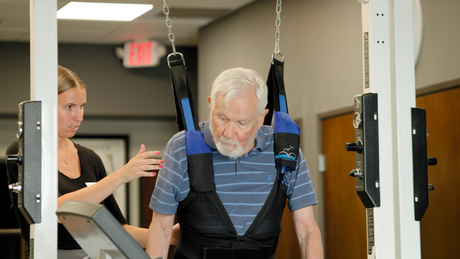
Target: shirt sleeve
172, 185
300, 186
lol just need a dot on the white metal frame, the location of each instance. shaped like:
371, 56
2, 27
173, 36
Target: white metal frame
391, 75
408, 229
43, 87
389, 70
377, 79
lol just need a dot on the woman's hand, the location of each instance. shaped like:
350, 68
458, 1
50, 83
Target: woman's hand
142, 165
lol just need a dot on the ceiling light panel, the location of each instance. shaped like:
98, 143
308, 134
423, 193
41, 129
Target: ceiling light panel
102, 11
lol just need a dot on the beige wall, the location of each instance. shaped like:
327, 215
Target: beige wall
321, 41
440, 54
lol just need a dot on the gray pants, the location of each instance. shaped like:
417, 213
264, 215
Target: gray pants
72, 254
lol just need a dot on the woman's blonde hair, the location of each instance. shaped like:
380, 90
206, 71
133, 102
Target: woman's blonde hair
67, 80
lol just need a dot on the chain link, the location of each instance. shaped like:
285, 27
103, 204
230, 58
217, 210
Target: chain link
168, 23
278, 25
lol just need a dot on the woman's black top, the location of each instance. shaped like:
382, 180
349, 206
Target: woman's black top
92, 170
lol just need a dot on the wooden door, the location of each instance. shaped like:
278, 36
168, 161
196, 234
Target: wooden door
147, 185
288, 246
345, 234
440, 226
344, 214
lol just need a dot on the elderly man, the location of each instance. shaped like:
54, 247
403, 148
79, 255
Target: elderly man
225, 222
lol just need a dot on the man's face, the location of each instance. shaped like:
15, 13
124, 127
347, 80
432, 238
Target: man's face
234, 128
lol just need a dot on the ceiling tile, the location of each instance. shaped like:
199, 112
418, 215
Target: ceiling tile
89, 25
187, 17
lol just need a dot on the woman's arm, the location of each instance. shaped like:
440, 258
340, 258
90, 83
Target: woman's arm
137, 167
138, 234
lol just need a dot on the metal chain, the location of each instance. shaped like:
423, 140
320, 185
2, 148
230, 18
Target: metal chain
278, 24
168, 23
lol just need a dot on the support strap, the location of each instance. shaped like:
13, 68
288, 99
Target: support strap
287, 133
199, 159
198, 152
185, 109
276, 93
287, 141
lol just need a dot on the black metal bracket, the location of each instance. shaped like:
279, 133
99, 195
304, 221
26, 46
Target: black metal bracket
29, 160
420, 162
366, 147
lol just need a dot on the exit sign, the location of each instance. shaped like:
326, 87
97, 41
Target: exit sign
140, 54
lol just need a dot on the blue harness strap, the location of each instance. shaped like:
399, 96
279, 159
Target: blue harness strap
199, 157
185, 109
198, 152
286, 131
287, 139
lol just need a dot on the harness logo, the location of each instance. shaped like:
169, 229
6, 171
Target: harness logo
286, 154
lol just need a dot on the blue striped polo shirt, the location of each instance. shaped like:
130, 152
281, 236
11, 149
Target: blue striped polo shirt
242, 184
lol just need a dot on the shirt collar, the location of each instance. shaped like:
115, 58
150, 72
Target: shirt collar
207, 134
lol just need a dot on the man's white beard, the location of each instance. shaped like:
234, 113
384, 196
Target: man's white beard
230, 151
233, 151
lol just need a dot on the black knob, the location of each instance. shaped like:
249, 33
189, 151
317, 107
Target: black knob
354, 147
432, 161
430, 187
14, 159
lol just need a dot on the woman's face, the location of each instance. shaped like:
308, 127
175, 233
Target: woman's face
70, 111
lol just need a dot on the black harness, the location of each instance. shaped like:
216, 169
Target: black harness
206, 228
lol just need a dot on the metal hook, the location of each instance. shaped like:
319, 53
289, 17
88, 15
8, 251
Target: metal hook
174, 54
277, 54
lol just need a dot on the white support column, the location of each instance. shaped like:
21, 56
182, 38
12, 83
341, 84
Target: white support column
377, 79
389, 70
43, 75
408, 241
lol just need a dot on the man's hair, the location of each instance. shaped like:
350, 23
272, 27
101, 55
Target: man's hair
235, 82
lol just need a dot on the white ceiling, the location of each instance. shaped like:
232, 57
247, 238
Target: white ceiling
187, 17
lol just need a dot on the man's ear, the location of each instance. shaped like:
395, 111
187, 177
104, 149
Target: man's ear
209, 101
262, 118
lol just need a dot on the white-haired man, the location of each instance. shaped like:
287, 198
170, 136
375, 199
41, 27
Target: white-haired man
240, 217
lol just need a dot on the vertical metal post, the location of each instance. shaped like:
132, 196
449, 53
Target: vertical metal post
404, 99
43, 87
377, 79
388, 46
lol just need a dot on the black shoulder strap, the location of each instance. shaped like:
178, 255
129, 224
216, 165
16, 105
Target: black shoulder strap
185, 109
276, 93
272, 196
199, 154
